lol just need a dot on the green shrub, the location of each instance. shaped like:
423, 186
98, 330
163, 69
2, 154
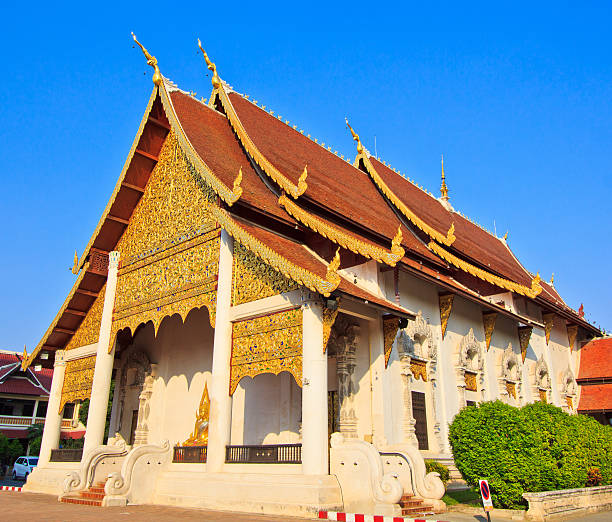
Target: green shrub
535, 448
35, 446
14, 451
434, 465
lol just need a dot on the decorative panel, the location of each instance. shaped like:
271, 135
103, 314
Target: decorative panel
542, 394
89, 329
549, 321
488, 321
329, 318
268, 344
511, 389
170, 250
77, 380
470, 381
572, 333
524, 333
254, 279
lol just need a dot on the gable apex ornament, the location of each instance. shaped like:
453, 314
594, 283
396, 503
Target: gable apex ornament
215, 80
75, 263
152, 61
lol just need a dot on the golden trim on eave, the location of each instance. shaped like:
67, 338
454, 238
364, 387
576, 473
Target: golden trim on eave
397, 202
26, 362
297, 273
506, 284
345, 240
230, 196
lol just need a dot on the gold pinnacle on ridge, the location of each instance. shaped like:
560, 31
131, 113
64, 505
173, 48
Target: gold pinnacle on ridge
152, 61
443, 187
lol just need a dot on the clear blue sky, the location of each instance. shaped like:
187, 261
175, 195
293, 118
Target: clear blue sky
516, 96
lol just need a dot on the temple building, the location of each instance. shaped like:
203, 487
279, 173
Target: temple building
595, 380
288, 330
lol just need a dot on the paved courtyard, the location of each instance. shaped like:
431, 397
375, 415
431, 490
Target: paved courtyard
19, 507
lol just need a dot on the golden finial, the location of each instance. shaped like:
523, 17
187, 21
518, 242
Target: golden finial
443, 187
552, 279
75, 263
152, 61
215, 80
355, 137
237, 189
333, 266
506, 236
25, 352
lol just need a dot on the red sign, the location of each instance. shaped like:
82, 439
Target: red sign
485, 493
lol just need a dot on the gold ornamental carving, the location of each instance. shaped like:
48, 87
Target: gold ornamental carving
488, 321
543, 395
524, 333
572, 333
470, 381
511, 389
329, 318
549, 321
531, 292
267, 344
570, 402
390, 328
172, 205
89, 330
418, 369
78, 380
343, 239
253, 279
199, 436
446, 306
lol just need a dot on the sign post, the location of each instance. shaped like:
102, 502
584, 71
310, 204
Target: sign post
485, 494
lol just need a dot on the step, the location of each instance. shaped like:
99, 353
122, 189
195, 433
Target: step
417, 510
410, 503
80, 500
96, 489
91, 495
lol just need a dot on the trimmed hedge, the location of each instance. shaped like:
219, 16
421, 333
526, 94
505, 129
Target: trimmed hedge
535, 448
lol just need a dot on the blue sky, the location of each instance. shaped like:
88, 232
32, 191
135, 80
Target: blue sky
516, 96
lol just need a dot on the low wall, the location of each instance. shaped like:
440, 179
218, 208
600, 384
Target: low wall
568, 502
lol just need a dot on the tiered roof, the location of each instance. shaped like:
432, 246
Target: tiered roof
296, 204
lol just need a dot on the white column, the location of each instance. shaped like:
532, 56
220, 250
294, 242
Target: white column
53, 420
220, 400
100, 388
315, 455
377, 376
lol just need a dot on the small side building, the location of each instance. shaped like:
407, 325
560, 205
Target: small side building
595, 380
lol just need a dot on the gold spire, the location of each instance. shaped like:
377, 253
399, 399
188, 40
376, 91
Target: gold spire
215, 80
443, 187
75, 263
552, 279
152, 61
25, 352
355, 137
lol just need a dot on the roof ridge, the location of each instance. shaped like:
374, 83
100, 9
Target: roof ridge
295, 128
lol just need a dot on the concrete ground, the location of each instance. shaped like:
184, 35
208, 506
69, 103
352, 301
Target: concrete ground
17, 507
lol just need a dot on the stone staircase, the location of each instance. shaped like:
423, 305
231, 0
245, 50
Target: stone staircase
92, 496
414, 506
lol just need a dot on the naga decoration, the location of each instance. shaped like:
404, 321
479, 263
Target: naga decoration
488, 320
152, 61
343, 239
199, 436
572, 333
78, 380
268, 344
397, 202
390, 328
446, 306
549, 321
524, 333
278, 177
75, 263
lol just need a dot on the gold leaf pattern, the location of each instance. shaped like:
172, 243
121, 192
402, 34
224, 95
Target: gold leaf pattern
446, 306
418, 369
511, 389
390, 328
77, 380
488, 321
268, 344
549, 322
89, 330
524, 333
470, 381
572, 333
253, 279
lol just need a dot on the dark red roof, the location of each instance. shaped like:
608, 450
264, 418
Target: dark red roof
596, 359
21, 387
596, 397
13, 380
